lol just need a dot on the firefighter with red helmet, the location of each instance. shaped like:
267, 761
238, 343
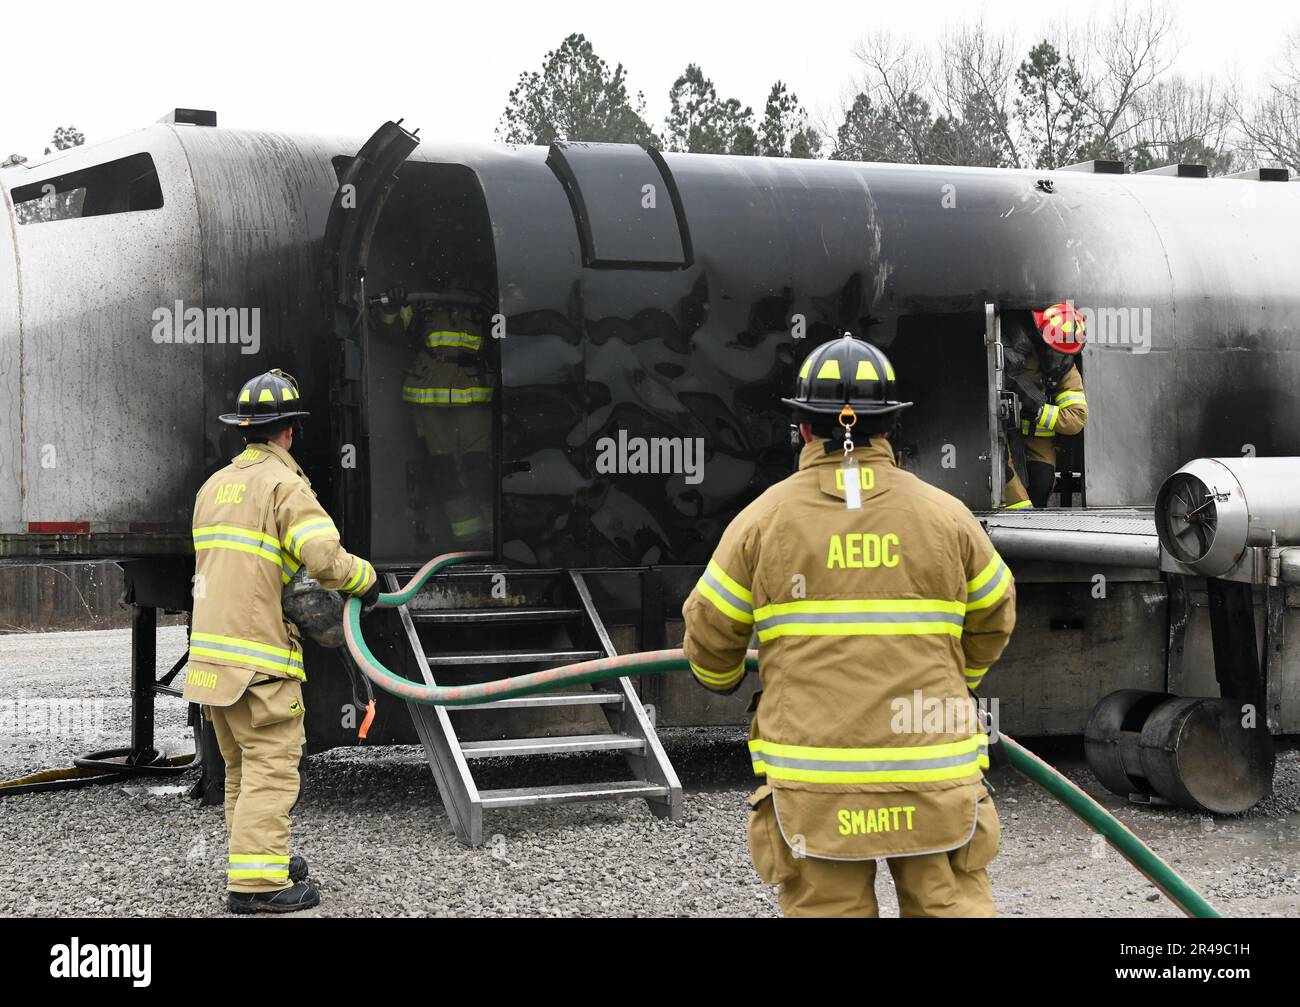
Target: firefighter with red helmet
1040, 350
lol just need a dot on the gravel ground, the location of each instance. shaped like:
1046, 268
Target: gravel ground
380, 845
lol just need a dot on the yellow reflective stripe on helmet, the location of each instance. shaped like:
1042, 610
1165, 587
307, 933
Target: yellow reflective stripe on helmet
889, 371
304, 531
861, 617
829, 370
989, 586
910, 764
442, 337
727, 596
807, 366
250, 652
718, 679
974, 676
867, 371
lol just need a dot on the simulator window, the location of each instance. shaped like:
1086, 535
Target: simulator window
127, 185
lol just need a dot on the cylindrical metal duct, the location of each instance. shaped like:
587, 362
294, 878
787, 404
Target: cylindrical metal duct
1211, 509
1076, 547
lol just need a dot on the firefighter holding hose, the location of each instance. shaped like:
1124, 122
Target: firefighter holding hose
875, 599
256, 523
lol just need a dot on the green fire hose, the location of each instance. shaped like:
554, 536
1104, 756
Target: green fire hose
655, 662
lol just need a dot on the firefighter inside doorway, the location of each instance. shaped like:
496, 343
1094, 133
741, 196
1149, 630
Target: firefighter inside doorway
447, 388
1041, 349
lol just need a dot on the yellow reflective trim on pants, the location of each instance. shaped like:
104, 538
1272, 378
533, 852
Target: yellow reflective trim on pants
718, 679
1020, 505
927, 763
861, 617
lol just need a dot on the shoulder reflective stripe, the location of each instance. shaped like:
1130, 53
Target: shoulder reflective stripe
974, 676
718, 679
863, 617
727, 596
1069, 398
989, 584
304, 531
989, 593
870, 765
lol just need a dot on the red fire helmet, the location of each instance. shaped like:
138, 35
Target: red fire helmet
1062, 327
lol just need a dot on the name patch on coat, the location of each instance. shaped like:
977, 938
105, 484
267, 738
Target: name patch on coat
201, 679
867, 820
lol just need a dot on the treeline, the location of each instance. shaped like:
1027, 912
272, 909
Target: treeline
1107, 88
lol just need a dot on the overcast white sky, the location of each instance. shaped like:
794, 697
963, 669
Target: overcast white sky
340, 67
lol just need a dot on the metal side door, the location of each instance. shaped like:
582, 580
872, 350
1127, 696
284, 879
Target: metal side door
364, 186
1001, 406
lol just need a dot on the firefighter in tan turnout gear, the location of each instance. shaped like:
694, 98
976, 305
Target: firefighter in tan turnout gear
448, 389
256, 522
878, 602
1040, 369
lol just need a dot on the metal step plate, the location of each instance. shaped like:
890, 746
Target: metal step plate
616, 790
551, 746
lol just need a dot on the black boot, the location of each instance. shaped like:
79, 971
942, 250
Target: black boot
286, 900
297, 869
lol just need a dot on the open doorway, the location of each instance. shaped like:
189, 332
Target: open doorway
432, 368
967, 430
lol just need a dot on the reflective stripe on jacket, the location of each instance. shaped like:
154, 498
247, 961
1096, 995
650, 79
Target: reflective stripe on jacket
853, 609
873, 622
256, 521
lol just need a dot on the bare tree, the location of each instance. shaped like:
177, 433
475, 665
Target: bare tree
1121, 59
974, 96
894, 83
1178, 120
1271, 125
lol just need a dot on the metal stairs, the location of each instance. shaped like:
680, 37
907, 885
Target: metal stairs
484, 623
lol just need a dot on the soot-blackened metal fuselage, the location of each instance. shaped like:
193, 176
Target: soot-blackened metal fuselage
666, 298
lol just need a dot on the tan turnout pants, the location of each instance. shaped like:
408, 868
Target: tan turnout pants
261, 736
955, 883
